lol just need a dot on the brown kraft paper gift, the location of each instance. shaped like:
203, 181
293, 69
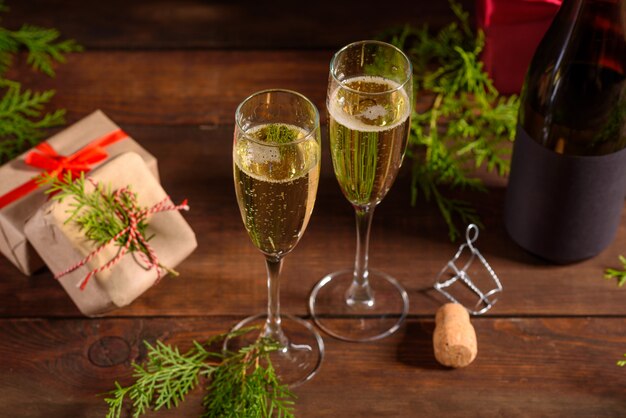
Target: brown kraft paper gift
62, 245
13, 243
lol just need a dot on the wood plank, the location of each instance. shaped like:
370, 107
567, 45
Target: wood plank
177, 87
154, 24
190, 87
225, 276
525, 367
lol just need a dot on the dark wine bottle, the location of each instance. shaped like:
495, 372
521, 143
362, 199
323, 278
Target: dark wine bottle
568, 170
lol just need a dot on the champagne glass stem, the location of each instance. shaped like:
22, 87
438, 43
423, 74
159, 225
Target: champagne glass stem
273, 329
360, 292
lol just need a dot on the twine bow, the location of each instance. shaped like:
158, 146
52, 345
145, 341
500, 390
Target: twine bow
132, 216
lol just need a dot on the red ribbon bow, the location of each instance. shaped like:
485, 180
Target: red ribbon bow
50, 161
47, 159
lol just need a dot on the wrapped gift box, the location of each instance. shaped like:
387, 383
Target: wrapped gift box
91, 141
513, 30
63, 245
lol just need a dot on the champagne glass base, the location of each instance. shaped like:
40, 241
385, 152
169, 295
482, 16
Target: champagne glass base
331, 312
296, 363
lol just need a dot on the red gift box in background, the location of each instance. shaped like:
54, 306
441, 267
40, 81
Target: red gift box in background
513, 29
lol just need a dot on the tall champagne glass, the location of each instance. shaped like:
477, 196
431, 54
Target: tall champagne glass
369, 104
276, 163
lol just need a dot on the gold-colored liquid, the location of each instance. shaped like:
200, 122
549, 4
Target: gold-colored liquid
368, 137
276, 187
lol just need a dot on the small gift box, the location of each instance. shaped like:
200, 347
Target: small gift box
103, 276
513, 30
79, 148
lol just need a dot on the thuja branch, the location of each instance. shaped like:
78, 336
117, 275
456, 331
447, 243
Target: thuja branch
97, 213
41, 44
246, 385
620, 275
467, 124
240, 384
100, 215
23, 120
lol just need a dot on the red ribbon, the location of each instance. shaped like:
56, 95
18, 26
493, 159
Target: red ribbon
47, 159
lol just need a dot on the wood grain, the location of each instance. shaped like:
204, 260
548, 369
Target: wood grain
176, 87
158, 24
179, 87
525, 367
171, 73
225, 276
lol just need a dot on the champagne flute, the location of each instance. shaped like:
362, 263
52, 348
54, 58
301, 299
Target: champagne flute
276, 163
369, 103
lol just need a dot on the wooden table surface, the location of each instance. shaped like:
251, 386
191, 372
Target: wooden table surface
171, 74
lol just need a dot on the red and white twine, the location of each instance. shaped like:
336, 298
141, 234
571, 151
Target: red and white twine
134, 216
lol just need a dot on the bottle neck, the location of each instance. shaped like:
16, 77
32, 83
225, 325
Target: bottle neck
598, 34
574, 100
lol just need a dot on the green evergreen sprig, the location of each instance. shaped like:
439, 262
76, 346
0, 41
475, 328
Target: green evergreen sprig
96, 213
240, 384
23, 119
620, 275
23, 122
246, 385
467, 124
42, 45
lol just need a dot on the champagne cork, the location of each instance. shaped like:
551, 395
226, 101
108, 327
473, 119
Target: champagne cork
454, 339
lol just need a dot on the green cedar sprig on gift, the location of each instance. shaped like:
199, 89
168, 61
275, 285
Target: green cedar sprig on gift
467, 123
620, 275
23, 120
622, 363
240, 384
98, 215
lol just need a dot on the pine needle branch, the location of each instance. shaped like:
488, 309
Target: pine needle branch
622, 363
468, 124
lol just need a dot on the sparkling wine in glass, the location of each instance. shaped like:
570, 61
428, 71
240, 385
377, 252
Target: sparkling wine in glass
276, 164
369, 103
